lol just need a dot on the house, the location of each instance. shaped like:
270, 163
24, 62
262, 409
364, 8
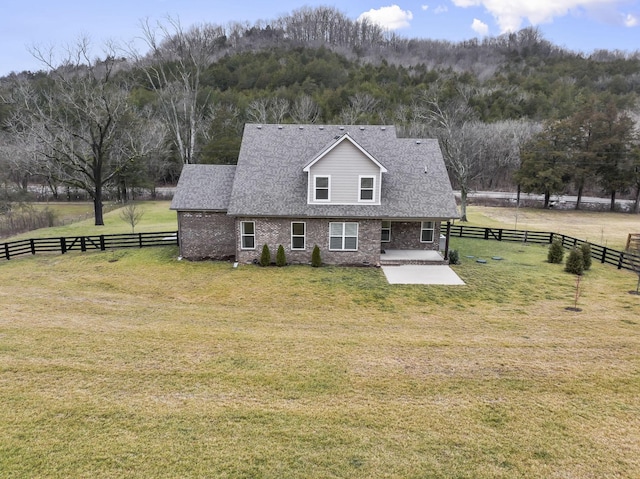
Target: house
355, 191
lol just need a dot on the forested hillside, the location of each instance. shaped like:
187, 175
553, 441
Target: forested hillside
512, 111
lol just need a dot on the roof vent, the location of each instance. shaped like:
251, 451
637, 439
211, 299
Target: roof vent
280, 127
418, 142
322, 127
362, 128
383, 128
342, 128
301, 127
259, 127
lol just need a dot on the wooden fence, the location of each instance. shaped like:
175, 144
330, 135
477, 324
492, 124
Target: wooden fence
85, 243
619, 259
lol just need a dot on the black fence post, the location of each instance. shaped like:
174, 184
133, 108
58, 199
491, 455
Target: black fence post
620, 260
140, 239
32, 243
6, 251
102, 247
83, 244
63, 245
604, 254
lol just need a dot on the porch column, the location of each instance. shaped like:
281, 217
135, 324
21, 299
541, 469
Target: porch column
446, 242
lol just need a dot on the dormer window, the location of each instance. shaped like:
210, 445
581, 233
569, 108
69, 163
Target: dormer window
367, 188
321, 188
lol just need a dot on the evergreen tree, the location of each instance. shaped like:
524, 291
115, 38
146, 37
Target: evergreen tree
316, 260
575, 263
545, 163
556, 252
265, 257
585, 248
281, 259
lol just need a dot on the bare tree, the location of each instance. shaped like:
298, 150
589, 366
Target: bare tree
499, 149
360, 104
305, 110
17, 160
80, 123
278, 108
257, 111
454, 124
173, 68
131, 214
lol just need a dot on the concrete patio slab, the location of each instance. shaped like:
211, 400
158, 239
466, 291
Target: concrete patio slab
421, 274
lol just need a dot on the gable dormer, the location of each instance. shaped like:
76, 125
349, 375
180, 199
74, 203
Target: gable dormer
344, 173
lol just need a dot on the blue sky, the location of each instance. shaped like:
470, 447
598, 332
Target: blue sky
580, 25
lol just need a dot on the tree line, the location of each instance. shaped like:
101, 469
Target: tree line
506, 109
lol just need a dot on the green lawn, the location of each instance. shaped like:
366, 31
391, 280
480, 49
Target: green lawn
156, 217
133, 364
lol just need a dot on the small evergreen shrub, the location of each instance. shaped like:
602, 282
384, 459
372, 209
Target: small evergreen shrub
281, 259
556, 252
586, 255
575, 263
454, 256
316, 260
265, 257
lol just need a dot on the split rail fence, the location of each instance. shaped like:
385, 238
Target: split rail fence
603, 254
86, 243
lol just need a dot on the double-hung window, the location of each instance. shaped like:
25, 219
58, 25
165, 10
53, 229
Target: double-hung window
321, 188
426, 232
343, 236
386, 232
248, 234
298, 235
367, 188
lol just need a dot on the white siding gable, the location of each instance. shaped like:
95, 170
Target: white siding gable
348, 167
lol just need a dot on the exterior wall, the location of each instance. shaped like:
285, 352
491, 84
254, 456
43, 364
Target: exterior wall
206, 235
344, 164
406, 235
277, 231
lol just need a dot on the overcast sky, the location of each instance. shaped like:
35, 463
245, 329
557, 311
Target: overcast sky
580, 25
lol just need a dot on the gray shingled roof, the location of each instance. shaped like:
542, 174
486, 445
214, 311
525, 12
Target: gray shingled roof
269, 178
204, 187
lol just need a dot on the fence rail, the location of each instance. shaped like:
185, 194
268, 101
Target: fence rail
85, 243
619, 259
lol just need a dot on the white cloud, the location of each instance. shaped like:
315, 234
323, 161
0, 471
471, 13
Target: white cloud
510, 14
441, 9
631, 20
392, 17
424, 7
479, 27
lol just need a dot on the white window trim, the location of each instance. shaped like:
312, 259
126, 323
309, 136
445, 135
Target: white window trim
373, 189
315, 188
303, 236
432, 229
243, 235
389, 229
344, 236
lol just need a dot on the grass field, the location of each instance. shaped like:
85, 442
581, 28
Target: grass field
606, 229
133, 364
156, 217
